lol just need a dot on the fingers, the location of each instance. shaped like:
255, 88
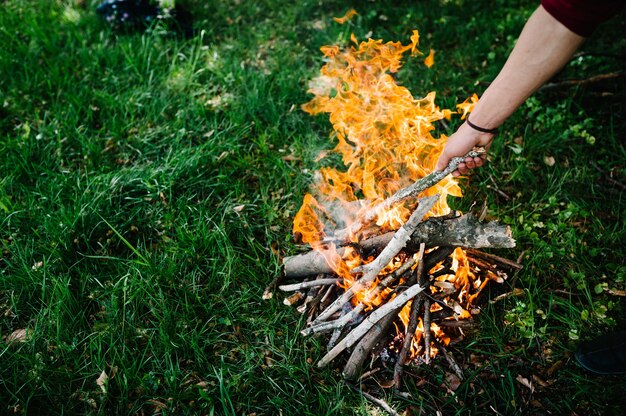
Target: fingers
469, 164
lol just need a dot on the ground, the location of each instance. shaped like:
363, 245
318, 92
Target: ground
149, 181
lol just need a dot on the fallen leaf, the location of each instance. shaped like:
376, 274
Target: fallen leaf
549, 160
102, 381
525, 382
19, 335
290, 158
239, 208
540, 381
453, 381
386, 384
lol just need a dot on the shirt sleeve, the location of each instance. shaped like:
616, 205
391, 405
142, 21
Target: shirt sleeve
582, 16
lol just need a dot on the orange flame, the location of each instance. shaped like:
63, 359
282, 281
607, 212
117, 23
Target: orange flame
385, 139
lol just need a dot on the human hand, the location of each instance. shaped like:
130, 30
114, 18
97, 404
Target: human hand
461, 142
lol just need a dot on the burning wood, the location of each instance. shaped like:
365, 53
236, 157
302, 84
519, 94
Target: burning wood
387, 251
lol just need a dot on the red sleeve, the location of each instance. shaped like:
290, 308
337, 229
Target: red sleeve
582, 16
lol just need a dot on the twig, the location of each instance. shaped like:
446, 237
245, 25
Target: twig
304, 285
498, 190
412, 326
493, 258
378, 402
338, 323
515, 292
451, 362
395, 245
403, 194
268, 293
427, 333
585, 81
368, 374
369, 322
608, 177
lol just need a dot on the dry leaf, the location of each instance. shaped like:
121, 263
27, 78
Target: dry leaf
239, 208
19, 335
453, 381
290, 158
549, 160
540, 381
102, 381
525, 382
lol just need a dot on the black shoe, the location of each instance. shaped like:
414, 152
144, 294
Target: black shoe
604, 355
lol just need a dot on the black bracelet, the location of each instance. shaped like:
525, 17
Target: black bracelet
480, 129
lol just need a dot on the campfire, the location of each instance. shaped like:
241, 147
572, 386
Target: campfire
393, 275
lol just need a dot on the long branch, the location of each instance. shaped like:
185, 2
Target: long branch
464, 231
403, 194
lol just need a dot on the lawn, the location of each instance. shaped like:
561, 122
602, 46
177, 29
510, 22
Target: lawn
148, 183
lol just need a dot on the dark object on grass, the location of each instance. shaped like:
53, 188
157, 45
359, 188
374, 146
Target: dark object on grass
604, 355
141, 14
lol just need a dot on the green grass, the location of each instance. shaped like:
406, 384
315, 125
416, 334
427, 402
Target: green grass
144, 188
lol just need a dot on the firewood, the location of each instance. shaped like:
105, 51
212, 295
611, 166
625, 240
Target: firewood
305, 285
394, 246
464, 231
412, 325
369, 322
451, 362
337, 323
472, 252
427, 331
367, 344
403, 194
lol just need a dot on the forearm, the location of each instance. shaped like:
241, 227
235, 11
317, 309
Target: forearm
544, 47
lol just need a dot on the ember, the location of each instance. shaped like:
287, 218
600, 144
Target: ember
386, 245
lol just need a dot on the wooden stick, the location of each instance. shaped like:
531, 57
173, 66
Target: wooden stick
378, 402
412, 326
451, 362
464, 231
403, 194
268, 293
585, 81
515, 292
304, 285
369, 322
493, 258
427, 333
396, 244
399, 239
367, 344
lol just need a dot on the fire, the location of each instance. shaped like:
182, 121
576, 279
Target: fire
385, 139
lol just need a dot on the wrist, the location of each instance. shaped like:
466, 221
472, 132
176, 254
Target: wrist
480, 128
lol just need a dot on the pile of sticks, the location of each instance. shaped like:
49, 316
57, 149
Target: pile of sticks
425, 248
